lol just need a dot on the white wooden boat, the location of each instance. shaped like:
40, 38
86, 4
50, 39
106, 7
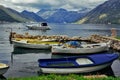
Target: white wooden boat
77, 64
81, 49
3, 68
40, 26
48, 40
27, 44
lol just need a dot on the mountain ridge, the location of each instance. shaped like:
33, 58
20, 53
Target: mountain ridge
60, 15
106, 13
10, 15
33, 16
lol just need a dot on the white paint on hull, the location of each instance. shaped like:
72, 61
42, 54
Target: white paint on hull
57, 49
74, 70
28, 45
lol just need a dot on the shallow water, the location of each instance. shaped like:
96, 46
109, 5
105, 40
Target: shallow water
23, 62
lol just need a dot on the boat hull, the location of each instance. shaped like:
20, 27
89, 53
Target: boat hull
75, 70
29, 45
3, 70
79, 50
38, 28
77, 64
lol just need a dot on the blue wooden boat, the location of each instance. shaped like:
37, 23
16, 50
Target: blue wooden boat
77, 64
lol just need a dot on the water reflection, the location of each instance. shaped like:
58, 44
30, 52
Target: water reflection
24, 62
39, 32
25, 51
29, 55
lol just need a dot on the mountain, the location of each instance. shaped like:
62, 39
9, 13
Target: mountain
60, 15
32, 16
10, 15
57, 16
106, 13
45, 13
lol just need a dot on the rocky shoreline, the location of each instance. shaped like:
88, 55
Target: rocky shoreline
114, 43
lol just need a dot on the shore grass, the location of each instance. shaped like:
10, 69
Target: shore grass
65, 77
118, 37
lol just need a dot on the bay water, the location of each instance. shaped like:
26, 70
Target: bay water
23, 62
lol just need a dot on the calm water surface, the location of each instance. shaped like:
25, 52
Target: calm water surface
23, 62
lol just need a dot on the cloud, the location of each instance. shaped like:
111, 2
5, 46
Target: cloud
35, 5
24, 1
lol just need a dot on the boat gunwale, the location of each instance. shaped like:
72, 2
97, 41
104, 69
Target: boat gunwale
78, 66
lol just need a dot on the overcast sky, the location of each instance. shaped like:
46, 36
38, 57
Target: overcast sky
36, 5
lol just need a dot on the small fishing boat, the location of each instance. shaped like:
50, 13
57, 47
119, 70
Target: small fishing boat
40, 26
34, 44
3, 68
77, 64
74, 47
